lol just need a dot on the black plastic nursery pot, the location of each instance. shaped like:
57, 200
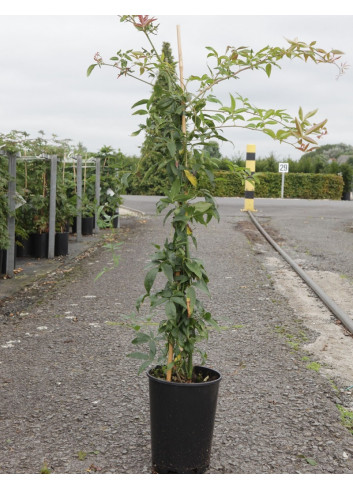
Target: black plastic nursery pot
115, 222
3, 262
24, 249
182, 422
87, 225
61, 244
40, 245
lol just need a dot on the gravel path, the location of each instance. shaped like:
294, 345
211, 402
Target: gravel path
71, 401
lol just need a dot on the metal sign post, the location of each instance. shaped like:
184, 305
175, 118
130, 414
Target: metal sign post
52, 206
79, 200
283, 168
10, 256
98, 192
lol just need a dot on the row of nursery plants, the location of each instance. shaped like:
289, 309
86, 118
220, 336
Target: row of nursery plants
33, 195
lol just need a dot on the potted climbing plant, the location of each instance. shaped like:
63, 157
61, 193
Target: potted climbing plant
181, 123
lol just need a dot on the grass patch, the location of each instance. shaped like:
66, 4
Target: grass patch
45, 469
314, 366
346, 418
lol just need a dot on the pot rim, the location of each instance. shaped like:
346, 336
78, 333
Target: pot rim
184, 384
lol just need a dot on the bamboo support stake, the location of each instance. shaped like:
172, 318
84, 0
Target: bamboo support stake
181, 72
170, 359
183, 126
188, 306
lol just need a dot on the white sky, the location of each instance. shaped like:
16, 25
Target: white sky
45, 53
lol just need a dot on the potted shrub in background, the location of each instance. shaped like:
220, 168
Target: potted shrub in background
4, 209
39, 208
182, 123
65, 212
87, 209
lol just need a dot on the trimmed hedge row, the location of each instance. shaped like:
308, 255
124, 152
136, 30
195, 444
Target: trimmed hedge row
296, 185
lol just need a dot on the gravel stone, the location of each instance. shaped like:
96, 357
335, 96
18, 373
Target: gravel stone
71, 398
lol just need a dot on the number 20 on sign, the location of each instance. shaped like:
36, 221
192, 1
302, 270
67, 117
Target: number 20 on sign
283, 168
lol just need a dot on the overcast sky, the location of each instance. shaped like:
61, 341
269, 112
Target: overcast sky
44, 58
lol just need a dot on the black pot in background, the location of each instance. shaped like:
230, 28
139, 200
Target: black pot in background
40, 245
3, 258
115, 222
25, 249
66, 228
74, 225
87, 225
61, 244
182, 420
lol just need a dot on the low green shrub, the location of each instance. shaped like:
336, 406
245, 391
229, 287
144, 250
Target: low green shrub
296, 186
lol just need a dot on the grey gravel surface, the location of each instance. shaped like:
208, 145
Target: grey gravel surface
318, 234
71, 400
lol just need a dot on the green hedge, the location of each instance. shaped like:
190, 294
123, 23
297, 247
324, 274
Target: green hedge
296, 185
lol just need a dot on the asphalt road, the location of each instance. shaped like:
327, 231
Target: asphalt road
71, 401
318, 232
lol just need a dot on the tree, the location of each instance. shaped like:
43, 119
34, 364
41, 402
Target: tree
147, 179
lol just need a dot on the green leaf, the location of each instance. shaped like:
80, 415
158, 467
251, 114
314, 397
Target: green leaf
201, 284
168, 271
140, 112
141, 338
90, 69
138, 355
202, 207
150, 278
179, 300
310, 461
194, 268
140, 102
170, 310
144, 366
175, 190
212, 98
171, 148
270, 133
310, 114
268, 70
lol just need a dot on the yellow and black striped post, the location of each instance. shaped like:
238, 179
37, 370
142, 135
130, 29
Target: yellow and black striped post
249, 185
